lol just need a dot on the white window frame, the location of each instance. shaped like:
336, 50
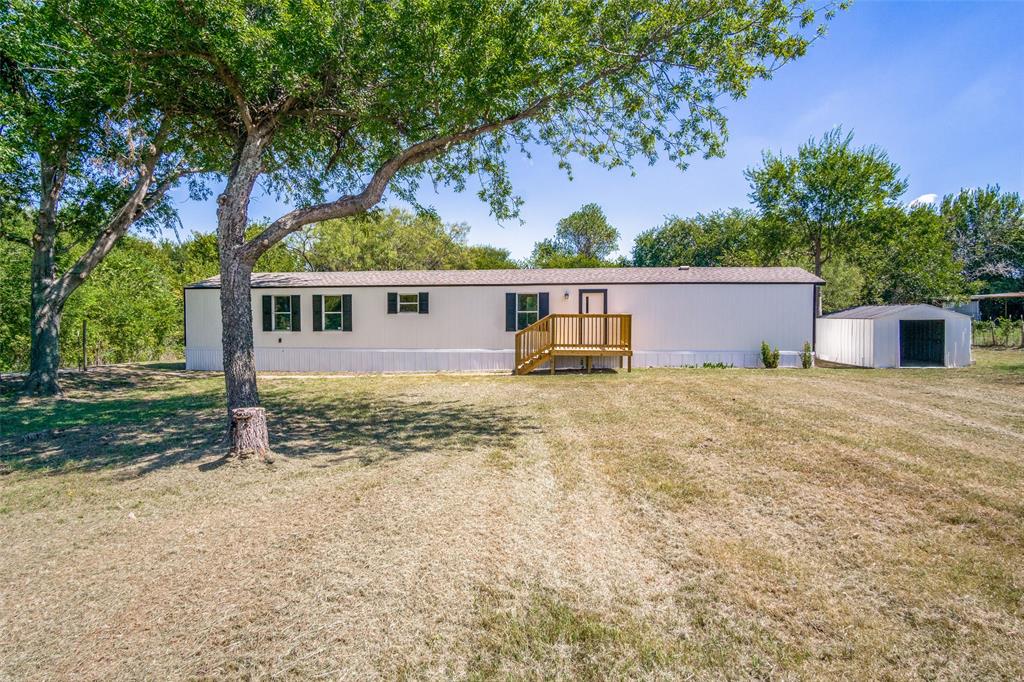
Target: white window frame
275, 313
340, 312
521, 311
402, 303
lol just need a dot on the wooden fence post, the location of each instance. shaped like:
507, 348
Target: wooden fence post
84, 329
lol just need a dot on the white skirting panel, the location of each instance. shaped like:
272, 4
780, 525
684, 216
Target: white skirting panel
360, 360
696, 358
455, 360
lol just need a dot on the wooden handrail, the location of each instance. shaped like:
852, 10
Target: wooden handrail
576, 332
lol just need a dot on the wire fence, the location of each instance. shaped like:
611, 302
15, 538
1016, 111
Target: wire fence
1003, 332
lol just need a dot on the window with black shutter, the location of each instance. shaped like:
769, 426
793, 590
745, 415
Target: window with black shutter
332, 313
282, 314
527, 310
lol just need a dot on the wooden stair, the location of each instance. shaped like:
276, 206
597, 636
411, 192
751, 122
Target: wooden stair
581, 335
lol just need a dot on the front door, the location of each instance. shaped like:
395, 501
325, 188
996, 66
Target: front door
593, 302
593, 332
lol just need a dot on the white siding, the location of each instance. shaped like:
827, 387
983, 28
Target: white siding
673, 325
846, 341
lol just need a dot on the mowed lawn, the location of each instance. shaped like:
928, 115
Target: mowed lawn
664, 523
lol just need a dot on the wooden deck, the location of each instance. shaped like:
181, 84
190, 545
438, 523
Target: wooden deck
579, 335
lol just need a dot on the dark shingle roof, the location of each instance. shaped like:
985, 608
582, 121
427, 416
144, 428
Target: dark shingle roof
443, 278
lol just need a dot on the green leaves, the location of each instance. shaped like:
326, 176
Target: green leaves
821, 195
987, 230
343, 86
583, 239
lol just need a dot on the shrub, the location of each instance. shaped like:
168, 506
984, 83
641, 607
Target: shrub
1006, 328
717, 365
982, 327
806, 356
769, 356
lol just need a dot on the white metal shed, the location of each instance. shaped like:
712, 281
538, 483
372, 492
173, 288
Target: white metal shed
895, 336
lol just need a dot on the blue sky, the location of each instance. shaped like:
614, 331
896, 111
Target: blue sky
939, 85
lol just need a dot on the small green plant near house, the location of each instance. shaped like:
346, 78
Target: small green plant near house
769, 356
807, 356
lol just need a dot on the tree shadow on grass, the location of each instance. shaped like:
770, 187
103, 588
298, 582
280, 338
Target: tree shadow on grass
373, 429
106, 397
136, 434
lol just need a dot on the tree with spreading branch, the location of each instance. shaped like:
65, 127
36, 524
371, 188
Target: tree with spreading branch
331, 103
90, 155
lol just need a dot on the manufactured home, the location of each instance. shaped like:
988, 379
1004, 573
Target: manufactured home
895, 336
512, 320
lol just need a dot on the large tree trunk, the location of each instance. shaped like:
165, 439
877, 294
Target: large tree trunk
44, 359
239, 358
235, 297
45, 355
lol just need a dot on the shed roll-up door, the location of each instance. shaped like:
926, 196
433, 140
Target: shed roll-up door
922, 342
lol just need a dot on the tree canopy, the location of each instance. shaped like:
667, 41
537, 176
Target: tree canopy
583, 239
817, 199
719, 238
392, 240
986, 227
347, 97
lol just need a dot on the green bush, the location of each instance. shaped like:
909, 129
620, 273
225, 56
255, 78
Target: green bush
1007, 328
983, 327
769, 356
807, 356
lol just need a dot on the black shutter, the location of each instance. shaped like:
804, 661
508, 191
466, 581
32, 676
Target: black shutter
268, 314
392, 303
346, 312
296, 317
543, 305
424, 303
510, 312
318, 313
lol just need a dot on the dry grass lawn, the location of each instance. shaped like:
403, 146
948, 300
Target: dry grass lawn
660, 524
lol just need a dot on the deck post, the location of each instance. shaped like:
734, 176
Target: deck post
629, 363
589, 361
553, 364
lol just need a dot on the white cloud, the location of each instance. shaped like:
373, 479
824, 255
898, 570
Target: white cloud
924, 200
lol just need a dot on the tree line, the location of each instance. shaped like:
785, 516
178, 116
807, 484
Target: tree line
839, 211
967, 242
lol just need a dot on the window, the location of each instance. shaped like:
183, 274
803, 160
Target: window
332, 313
527, 310
408, 303
283, 313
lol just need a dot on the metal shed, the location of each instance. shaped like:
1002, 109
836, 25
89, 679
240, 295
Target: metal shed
895, 336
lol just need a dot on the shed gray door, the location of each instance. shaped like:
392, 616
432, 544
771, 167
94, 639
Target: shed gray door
922, 343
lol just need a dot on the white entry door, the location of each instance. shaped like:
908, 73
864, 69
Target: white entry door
593, 331
593, 302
